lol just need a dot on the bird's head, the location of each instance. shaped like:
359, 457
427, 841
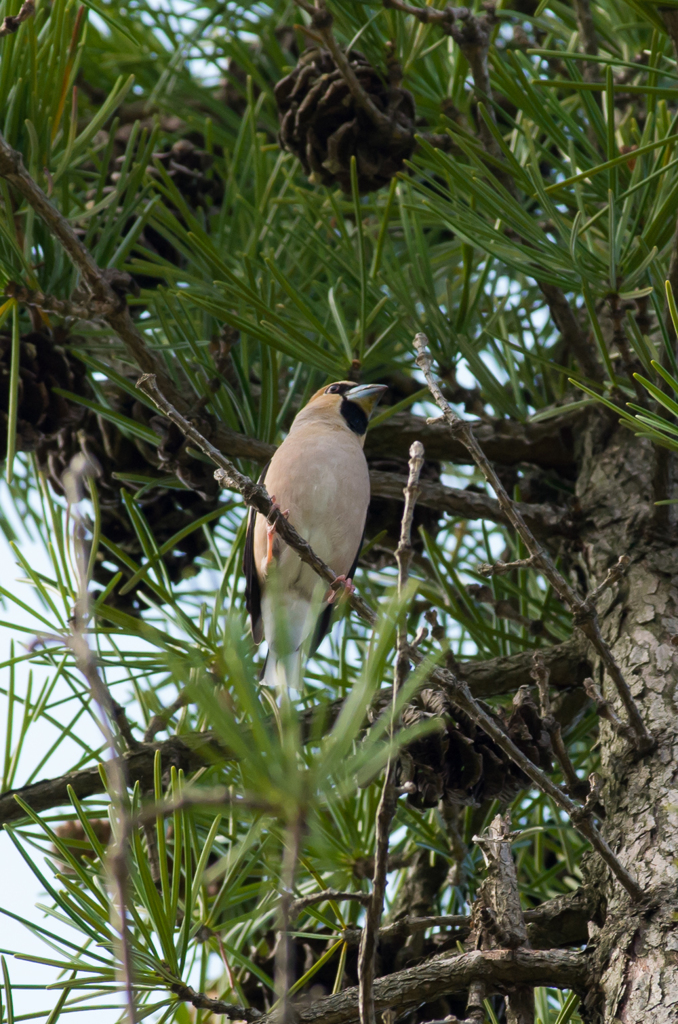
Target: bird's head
347, 404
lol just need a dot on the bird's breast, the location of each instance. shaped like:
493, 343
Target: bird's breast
321, 476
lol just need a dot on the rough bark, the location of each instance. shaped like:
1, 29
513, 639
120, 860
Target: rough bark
635, 951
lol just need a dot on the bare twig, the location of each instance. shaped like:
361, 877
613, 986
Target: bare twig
540, 674
575, 338
67, 308
584, 614
588, 37
12, 22
216, 796
613, 576
606, 711
500, 568
564, 917
544, 520
161, 720
326, 896
216, 1006
505, 609
387, 802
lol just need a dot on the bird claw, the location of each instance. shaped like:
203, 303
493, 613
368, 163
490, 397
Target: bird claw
271, 529
347, 589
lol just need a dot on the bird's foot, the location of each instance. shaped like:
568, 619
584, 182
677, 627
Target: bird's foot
271, 530
346, 590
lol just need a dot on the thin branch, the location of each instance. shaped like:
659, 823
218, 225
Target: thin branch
560, 921
613, 577
584, 614
12, 22
216, 796
445, 974
501, 568
606, 711
86, 662
445, 19
588, 38
188, 753
387, 803
544, 520
574, 337
66, 308
326, 896
216, 1006
540, 674
160, 721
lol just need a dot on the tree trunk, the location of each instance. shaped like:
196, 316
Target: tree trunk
636, 948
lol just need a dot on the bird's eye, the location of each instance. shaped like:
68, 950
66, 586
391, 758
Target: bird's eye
333, 389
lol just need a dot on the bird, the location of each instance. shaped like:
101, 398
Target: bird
318, 477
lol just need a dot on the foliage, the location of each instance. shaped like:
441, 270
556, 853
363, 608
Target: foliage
320, 285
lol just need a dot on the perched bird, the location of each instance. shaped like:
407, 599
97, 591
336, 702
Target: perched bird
319, 477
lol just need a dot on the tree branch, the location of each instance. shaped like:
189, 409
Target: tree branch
446, 974
326, 896
545, 520
216, 1006
548, 445
188, 752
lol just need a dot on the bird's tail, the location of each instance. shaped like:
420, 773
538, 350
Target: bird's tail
282, 672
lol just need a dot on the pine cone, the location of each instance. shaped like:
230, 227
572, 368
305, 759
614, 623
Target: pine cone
43, 365
321, 124
460, 764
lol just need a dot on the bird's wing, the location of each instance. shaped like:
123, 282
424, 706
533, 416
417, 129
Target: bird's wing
324, 623
252, 585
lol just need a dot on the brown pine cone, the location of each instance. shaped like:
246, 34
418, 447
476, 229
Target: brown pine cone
322, 125
43, 365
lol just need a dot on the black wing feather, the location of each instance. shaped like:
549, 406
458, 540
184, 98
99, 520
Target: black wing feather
324, 623
252, 586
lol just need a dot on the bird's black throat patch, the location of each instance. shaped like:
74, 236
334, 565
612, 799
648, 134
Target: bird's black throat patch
354, 416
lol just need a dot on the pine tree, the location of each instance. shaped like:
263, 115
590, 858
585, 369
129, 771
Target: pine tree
467, 809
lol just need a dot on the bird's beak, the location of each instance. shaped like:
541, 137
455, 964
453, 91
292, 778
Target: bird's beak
366, 395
